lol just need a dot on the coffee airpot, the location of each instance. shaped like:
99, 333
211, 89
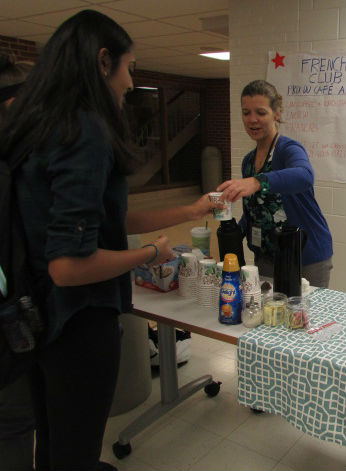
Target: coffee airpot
290, 241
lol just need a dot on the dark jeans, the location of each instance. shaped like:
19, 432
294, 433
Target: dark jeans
16, 427
73, 386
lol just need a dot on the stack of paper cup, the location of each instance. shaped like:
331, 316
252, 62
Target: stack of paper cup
217, 283
188, 270
205, 282
250, 283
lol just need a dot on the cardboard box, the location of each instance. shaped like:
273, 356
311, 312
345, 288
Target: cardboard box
163, 277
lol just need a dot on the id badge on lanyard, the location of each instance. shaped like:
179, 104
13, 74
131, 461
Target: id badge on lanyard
256, 236
256, 231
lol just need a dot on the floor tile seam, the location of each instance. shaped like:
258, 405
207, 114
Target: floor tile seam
274, 458
203, 455
288, 451
246, 448
139, 460
198, 423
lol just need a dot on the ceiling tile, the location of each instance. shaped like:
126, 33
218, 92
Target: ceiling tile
56, 18
163, 9
20, 29
145, 29
203, 47
158, 52
168, 34
174, 40
22, 8
192, 21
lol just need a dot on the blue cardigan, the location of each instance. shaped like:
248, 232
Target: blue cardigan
292, 176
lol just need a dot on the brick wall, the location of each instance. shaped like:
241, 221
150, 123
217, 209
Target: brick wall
22, 49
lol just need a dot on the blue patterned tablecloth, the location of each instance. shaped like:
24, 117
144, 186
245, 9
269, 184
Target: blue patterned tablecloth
288, 373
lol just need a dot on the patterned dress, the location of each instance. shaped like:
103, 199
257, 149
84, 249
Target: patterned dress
264, 209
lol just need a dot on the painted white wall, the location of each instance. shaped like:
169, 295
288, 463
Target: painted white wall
259, 26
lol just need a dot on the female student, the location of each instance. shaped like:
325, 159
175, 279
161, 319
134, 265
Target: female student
72, 192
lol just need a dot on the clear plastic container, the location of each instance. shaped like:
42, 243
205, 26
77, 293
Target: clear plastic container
297, 315
274, 310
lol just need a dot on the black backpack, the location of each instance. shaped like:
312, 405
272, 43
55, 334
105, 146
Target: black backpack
21, 322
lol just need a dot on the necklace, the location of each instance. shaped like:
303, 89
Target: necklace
259, 164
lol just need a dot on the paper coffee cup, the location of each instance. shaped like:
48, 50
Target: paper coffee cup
188, 265
250, 278
221, 214
201, 239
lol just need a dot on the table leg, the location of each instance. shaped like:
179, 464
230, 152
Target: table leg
171, 395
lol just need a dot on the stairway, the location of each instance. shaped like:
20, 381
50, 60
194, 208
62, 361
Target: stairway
183, 124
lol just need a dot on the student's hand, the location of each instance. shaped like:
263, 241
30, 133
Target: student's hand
235, 189
165, 252
202, 207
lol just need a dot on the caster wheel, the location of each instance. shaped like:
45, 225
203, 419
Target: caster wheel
121, 451
212, 389
257, 411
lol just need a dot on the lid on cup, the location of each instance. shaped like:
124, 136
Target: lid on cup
230, 262
200, 231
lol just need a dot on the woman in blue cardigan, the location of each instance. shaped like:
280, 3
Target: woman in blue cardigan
277, 188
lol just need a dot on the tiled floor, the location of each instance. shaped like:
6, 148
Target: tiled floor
216, 433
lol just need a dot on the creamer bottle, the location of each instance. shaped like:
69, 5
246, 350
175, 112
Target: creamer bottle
231, 297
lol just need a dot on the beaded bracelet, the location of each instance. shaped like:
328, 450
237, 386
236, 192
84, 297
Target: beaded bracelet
156, 252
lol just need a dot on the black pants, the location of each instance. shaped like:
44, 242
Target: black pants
73, 386
16, 427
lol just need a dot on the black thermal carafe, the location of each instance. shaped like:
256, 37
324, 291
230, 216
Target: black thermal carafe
230, 239
288, 260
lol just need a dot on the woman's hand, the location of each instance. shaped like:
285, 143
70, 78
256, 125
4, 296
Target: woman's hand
165, 252
202, 207
233, 190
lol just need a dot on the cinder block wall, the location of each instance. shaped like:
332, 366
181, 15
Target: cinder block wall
259, 26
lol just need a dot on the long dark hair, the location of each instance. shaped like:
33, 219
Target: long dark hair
67, 79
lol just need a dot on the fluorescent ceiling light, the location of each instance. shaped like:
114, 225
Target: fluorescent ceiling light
222, 56
148, 88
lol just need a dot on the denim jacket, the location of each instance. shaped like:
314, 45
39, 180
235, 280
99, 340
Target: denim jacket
73, 201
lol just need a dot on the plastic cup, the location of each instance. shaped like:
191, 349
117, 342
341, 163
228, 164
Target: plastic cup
201, 239
221, 214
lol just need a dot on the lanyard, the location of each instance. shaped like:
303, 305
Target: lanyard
270, 152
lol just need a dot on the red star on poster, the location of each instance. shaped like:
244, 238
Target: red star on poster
278, 60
